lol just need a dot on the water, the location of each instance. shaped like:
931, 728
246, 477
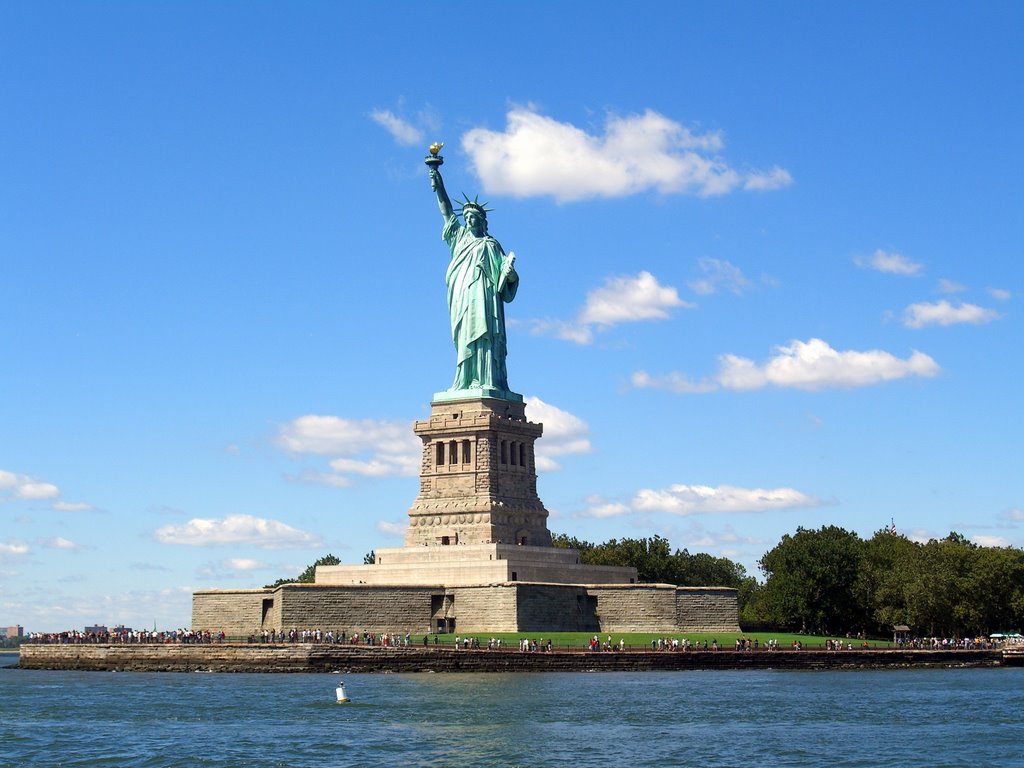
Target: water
934, 718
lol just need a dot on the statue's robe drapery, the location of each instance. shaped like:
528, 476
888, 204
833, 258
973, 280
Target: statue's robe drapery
477, 292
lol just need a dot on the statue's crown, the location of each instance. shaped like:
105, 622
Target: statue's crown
474, 205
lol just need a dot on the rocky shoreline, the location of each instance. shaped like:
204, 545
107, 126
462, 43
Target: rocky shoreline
240, 657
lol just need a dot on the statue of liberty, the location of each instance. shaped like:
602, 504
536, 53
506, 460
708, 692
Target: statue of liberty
480, 278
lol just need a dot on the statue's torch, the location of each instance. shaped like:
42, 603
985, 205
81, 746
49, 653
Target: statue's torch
434, 159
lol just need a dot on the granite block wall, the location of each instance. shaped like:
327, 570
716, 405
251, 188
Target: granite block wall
555, 608
707, 609
485, 609
236, 612
357, 608
509, 607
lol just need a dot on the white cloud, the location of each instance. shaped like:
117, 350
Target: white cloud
72, 506
676, 382
622, 299
390, 529
22, 487
718, 274
943, 313
566, 330
810, 365
564, 433
890, 263
400, 130
333, 435
696, 499
607, 509
951, 286
630, 299
37, 490
999, 294
244, 564
990, 541
235, 529
536, 156
13, 548
1016, 514
365, 447
232, 568
776, 178
726, 540
61, 543
815, 365
383, 465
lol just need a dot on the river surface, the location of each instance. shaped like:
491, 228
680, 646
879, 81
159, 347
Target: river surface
926, 717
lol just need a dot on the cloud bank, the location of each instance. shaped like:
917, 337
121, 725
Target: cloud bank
536, 155
401, 131
944, 313
235, 529
564, 434
890, 263
361, 447
684, 500
622, 299
718, 275
811, 365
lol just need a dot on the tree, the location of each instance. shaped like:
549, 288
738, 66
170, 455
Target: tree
656, 563
370, 558
886, 569
308, 575
810, 578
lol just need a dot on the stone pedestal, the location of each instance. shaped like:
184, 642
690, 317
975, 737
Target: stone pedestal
478, 477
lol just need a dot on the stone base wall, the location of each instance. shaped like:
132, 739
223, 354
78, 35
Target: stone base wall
507, 607
357, 609
665, 608
556, 608
236, 612
636, 608
707, 609
485, 609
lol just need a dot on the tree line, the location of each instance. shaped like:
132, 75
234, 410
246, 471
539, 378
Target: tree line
831, 581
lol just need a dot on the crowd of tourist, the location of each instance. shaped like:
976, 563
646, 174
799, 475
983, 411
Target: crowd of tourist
330, 637
122, 635
947, 643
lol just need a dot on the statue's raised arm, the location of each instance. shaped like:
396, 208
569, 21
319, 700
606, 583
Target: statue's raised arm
443, 201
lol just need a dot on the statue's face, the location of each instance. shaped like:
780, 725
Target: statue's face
477, 223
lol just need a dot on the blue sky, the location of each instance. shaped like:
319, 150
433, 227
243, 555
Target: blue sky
770, 263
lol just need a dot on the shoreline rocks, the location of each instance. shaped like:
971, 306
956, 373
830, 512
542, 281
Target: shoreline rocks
240, 657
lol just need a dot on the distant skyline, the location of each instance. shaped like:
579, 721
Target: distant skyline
770, 263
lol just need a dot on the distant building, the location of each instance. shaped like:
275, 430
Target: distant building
15, 631
98, 629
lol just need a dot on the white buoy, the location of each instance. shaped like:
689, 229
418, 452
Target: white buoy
339, 692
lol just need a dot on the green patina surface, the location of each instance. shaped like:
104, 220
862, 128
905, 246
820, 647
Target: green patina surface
481, 278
